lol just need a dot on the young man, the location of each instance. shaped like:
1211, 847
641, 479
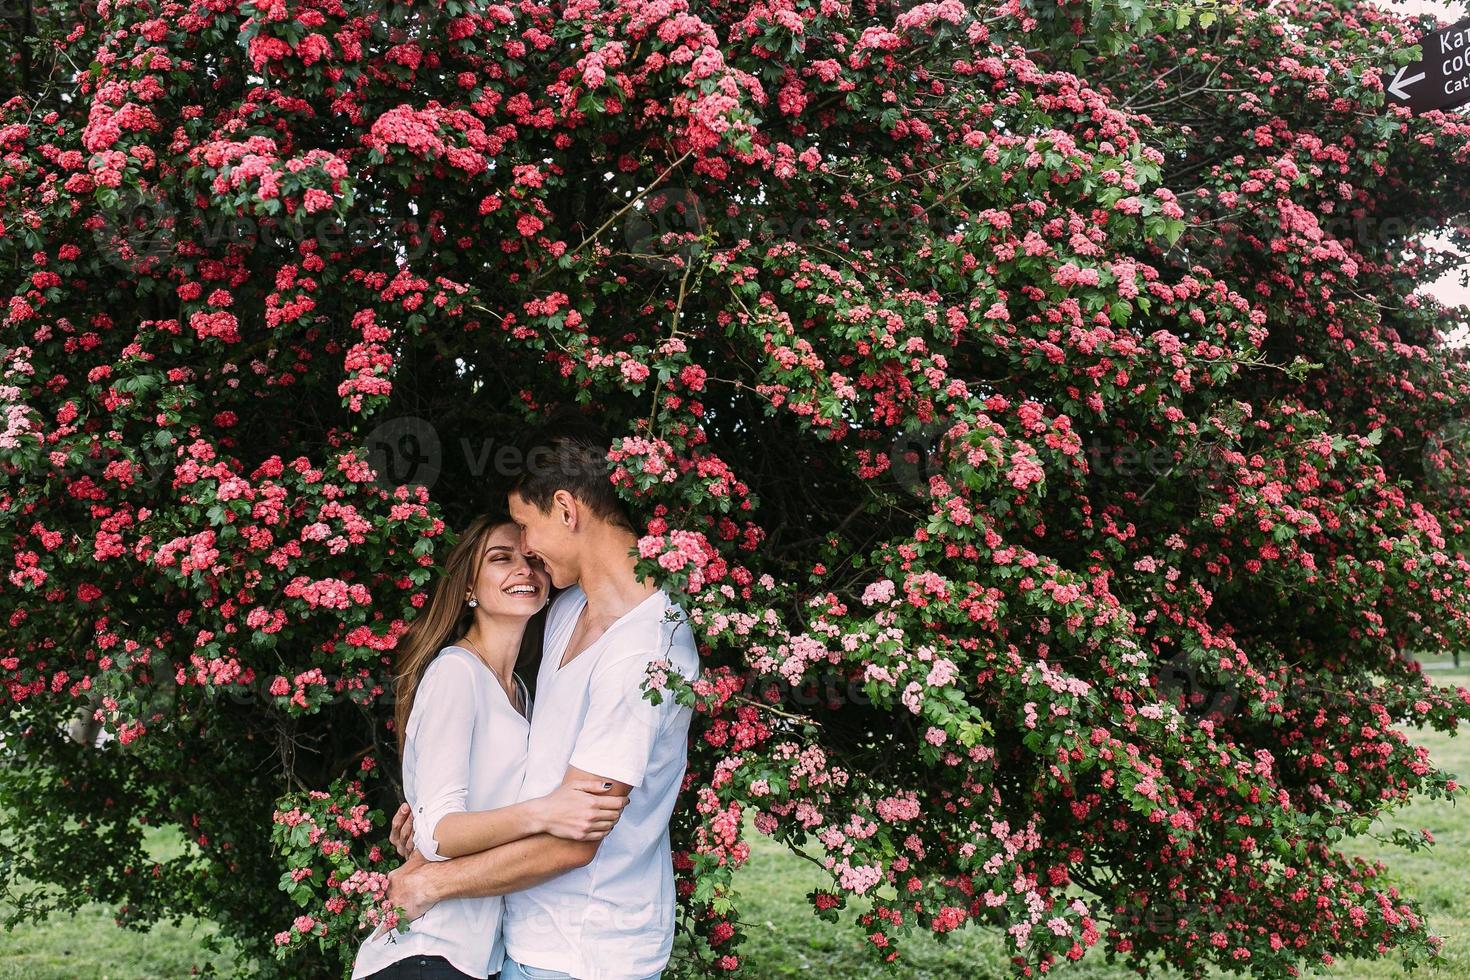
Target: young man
590, 910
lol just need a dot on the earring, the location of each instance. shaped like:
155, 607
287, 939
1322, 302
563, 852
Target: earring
473, 602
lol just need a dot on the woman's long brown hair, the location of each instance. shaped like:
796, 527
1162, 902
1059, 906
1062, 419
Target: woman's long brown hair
446, 617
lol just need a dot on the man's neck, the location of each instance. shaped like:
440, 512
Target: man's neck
611, 585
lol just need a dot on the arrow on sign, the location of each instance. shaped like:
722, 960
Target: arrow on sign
1397, 86
1441, 76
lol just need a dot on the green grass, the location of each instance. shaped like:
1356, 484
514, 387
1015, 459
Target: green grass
90, 946
783, 938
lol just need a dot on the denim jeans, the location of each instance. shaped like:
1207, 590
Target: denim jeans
420, 968
511, 970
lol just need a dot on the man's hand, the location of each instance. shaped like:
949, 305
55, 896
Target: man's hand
408, 886
401, 836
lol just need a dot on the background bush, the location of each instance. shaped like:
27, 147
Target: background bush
1031, 402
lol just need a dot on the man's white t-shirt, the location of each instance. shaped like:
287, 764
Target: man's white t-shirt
614, 918
464, 750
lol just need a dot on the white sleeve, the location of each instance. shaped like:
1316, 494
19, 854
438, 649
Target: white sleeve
439, 728
621, 726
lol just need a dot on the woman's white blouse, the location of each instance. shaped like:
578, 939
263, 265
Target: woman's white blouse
465, 750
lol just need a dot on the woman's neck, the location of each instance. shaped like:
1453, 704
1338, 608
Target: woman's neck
497, 642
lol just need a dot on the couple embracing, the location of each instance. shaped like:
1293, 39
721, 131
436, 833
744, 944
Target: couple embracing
536, 836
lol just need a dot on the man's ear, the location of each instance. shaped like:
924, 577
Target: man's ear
564, 500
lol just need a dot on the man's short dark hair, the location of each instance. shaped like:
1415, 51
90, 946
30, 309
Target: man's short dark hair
569, 452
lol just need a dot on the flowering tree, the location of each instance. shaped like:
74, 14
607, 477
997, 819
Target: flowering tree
1031, 402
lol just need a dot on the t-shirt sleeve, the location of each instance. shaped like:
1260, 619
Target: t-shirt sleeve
621, 726
439, 727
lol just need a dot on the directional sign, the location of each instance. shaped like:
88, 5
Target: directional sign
1441, 78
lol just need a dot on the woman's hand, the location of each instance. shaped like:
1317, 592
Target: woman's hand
401, 834
580, 810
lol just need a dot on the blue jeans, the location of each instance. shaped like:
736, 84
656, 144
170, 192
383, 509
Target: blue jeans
511, 970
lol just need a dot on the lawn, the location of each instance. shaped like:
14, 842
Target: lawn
784, 939
89, 946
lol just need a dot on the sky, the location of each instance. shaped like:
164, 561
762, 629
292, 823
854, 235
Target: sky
1449, 11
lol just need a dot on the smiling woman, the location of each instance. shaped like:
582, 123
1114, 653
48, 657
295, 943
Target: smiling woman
485, 564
